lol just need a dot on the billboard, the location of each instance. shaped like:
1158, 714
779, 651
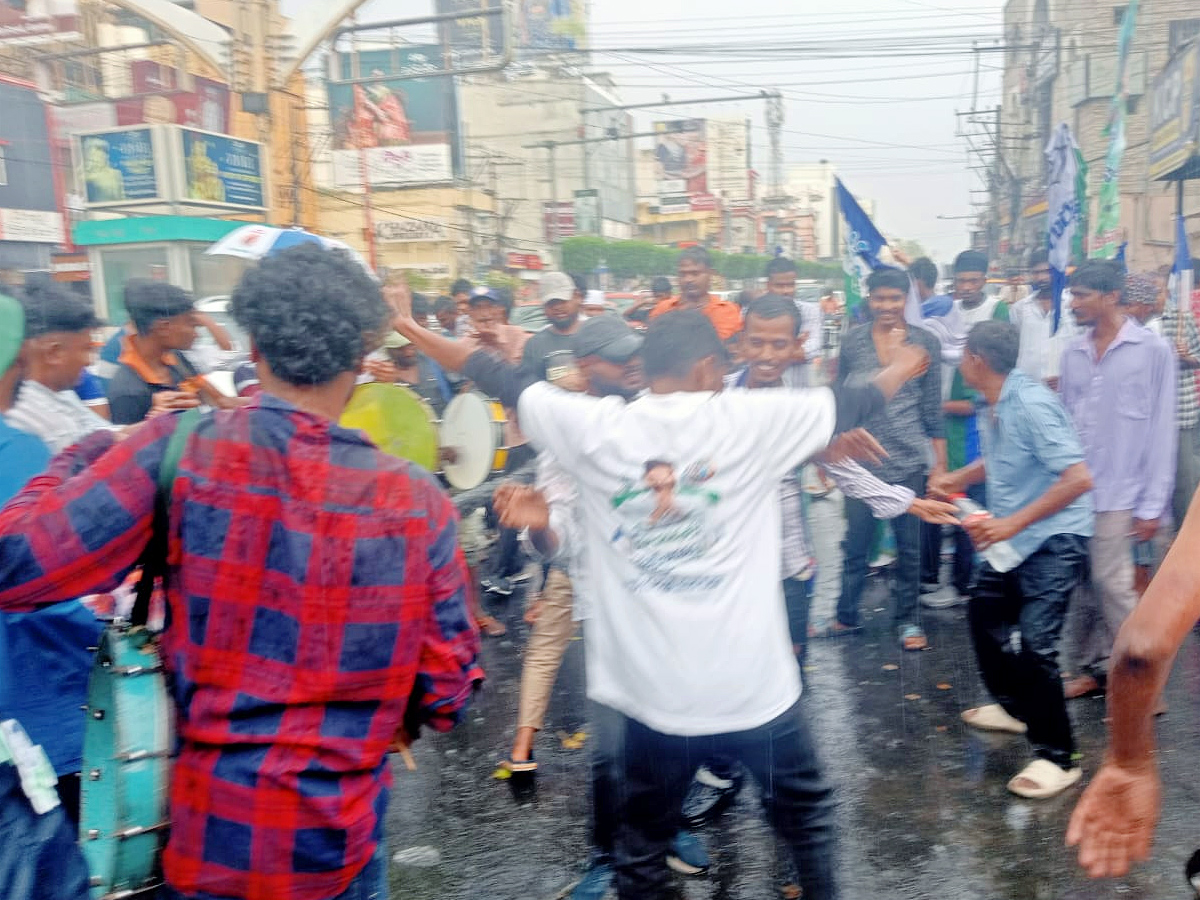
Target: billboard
558, 220
28, 21
161, 100
471, 40
552, 25
120, 166
403, 124
1175, 113
25, 151
222, 170
681, 157
587, 212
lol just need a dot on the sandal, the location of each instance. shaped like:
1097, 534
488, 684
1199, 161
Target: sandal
993, 717
491, 627
521, 766
1042, 779
913, 639
832, 628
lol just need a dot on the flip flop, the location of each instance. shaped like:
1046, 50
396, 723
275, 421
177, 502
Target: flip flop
993, 717
832, 628
1045, 780
491, 627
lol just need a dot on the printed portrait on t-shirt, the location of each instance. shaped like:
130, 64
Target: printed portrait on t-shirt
665, 521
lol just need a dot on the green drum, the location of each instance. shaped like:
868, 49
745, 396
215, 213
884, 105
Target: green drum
127, 745
396, 420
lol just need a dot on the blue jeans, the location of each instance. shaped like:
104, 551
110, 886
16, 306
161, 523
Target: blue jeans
369, 884
797, 595
860, 531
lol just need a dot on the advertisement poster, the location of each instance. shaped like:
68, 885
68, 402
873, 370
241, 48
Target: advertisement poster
587, 212
160, 101
405, 122
552, 25
558, 220
221, 169
475, 38
119, 166
29, 21
681, 157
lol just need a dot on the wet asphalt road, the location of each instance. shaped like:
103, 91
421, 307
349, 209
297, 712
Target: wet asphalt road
924, 812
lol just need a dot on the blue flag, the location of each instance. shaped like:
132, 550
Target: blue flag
1062, 166
862, 237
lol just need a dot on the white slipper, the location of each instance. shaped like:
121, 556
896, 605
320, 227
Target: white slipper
1048, 780
993, 718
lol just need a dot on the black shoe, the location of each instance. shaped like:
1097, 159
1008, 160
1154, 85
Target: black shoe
498, 585
708, 796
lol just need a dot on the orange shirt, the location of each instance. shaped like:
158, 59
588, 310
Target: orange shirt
726, 317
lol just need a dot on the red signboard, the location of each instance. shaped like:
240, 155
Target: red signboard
160, 101
523, 261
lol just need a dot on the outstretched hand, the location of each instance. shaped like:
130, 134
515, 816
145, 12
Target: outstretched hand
1113, 824
935, 512
857, 444
521, 506
398, 295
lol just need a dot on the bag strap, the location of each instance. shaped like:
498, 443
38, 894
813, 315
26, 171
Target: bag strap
154, 558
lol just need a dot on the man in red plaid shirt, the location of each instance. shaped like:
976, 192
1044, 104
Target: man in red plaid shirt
315, 600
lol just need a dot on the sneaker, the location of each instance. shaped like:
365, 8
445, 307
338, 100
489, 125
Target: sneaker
687, 855
521, 577
882, 561
497, 585
943, 598
930, 587
595, 882
707, 796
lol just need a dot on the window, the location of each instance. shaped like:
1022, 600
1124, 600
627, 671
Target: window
1119, 15
3, 166
1180, 32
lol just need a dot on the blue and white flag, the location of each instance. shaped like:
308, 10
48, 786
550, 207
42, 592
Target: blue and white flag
862, 247
1064, 213
1181, 272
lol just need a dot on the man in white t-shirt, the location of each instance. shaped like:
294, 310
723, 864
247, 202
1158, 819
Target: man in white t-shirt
679, 512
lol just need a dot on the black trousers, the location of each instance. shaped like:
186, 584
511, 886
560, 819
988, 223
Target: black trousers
1022, 674
654, 771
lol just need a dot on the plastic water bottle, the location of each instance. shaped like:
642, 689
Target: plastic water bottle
1000, 556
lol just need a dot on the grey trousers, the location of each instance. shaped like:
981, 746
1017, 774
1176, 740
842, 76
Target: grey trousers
1106, 598
1187, 472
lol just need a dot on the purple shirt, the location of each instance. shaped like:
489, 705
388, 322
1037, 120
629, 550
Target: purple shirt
1123, 406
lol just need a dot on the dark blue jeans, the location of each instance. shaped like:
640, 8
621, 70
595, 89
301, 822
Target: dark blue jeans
653, 776
797, 595
860, 529
1023, 676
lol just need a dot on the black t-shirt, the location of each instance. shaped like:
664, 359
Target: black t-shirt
540, 346
130, 395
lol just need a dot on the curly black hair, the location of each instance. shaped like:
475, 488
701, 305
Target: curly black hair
312, 313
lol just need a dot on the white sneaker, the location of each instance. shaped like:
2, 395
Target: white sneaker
943, 598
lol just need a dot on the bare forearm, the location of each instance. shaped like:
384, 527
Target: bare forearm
939, 454
447, 353
1147, 644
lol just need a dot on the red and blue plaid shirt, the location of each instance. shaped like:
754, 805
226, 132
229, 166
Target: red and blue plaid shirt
316, 605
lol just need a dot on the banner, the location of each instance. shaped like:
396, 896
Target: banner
412, 117
1108, 218
160, 100
554, 25
119, 166
863, 246
222, 169
1062, 154
681, 157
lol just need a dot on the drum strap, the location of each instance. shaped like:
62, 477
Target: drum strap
154, 558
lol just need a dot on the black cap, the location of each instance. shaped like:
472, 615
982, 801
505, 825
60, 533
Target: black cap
608, 338
971, 261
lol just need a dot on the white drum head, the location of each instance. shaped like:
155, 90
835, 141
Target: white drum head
468, 427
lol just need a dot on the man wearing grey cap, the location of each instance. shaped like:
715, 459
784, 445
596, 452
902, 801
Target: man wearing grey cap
561, 303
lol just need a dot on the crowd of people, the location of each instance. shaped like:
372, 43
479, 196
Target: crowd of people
319, 607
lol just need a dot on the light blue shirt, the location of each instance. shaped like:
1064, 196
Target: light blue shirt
1028, 442
1123, 408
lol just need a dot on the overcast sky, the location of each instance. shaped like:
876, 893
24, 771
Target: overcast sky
887, 121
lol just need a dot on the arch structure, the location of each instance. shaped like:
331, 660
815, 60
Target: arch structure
206, 39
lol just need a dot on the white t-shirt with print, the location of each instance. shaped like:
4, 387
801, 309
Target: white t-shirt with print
679, 510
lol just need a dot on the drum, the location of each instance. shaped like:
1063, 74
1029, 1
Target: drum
127, 744
398, 421
473, 427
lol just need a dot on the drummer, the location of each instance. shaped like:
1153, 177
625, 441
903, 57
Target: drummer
399, 362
